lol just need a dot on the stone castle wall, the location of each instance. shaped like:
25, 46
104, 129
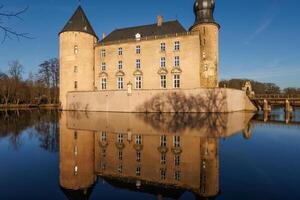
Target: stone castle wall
193, 100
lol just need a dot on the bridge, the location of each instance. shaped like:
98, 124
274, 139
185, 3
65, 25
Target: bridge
265, 102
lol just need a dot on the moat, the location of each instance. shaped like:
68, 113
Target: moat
47, 154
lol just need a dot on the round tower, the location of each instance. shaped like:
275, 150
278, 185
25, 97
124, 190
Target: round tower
208, 31
77, 56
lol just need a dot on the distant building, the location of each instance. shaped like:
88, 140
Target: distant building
160, 56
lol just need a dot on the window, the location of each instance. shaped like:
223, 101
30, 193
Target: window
138, 156
75, 69
177, 160
103, 153
75, 49
162, 47
163, 159
163, 140
120, 155
163, 174
75, 150
120, 83
163, 62
75, 170
120, 169
103, 136
103, 83
120, 51
75, 135
103, 166
120, 138
177, 61
138, 82
138, 64
120, 65
205, 67
138, 49
138, 139
176, 81
103, 66
163, 81
176, 141
138, 171
75, 85
177, 46
177, 175
103, 53
204, 55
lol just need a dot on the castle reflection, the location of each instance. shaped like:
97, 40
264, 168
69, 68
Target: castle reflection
161, 154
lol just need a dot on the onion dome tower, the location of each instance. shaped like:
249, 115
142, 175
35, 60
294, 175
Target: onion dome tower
208, 31
77, 56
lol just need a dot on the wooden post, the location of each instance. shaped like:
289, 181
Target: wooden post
288, 107
267, 107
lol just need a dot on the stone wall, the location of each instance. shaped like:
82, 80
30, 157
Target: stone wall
194, 100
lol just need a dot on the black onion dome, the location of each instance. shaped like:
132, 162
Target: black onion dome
204, 11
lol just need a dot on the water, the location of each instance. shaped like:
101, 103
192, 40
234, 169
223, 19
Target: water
50, 155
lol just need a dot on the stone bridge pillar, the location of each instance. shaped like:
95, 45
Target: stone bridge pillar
267, 107
288, 107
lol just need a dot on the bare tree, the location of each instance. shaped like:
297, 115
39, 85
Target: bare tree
7, 31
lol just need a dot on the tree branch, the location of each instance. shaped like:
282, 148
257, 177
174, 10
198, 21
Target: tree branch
9, 32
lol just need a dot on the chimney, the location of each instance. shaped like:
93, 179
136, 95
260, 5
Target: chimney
160, 20
103, 35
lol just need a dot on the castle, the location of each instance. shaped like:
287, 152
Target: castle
132, 68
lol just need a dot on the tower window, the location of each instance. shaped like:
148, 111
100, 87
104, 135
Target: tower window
163, 62
103, 83
120, 169
103, 66
138, 49
103, 153
162, 47
138, 64
75, 85
138, 156
177, 46
138, 171
176, 81
75, 69
103, 53
138, 82
120, 83
163, 81
177, 61
120, 65
75, 49
120, 51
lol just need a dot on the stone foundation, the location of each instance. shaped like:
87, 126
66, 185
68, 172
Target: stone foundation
193, 100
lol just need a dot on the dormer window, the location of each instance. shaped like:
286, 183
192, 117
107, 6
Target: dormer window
75, 49
138, 36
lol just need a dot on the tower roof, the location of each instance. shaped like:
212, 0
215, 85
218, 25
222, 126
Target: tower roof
79, 22
204, 11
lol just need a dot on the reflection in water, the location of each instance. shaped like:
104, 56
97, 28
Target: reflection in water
164, 155
43, 125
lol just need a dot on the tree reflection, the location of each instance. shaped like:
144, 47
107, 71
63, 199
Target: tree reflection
41, 124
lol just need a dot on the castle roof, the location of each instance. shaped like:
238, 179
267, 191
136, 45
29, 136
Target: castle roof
170, 27
79, 22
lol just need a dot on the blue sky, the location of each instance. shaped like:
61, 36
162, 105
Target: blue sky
259, 39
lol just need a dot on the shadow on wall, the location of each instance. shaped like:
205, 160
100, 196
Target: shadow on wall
211, 124
178, 102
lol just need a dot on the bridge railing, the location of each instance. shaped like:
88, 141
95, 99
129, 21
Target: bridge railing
277, 96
